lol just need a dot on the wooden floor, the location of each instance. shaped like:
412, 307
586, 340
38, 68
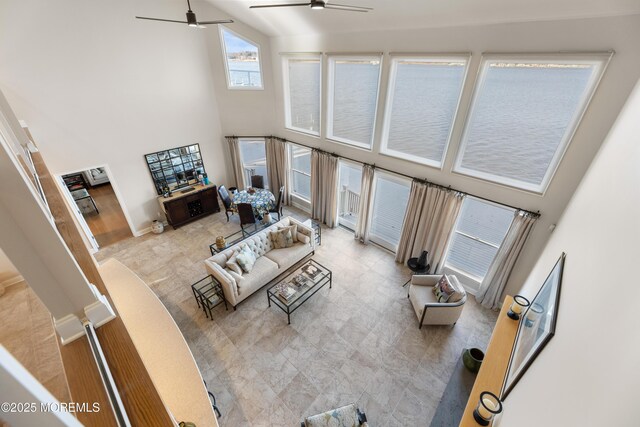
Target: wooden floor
109, 226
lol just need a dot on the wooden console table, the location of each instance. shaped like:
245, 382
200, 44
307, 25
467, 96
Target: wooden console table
181, 208
496, 361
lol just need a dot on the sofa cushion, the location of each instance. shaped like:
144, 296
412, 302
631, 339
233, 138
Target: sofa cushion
263, 268
286, 257
419, 296
281, 238
246, 259
302, 238
233, 265
260, 243
294, 231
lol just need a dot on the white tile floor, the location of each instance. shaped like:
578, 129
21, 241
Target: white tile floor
357, 342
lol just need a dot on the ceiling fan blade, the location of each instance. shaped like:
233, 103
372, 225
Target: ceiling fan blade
347, 7
279, 5
222, 21
163, 20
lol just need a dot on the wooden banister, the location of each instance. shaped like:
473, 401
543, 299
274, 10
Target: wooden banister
138, 393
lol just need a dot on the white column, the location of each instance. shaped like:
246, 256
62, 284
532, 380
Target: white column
31, 241
27, 403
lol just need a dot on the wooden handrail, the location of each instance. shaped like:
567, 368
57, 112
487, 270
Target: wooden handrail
137, 391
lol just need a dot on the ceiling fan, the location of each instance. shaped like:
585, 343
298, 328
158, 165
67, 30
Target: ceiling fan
191, 19
317, 4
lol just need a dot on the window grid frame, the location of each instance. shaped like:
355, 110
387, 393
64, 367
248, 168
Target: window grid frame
600, 60
287, 91
398, 179
330, 98
445, 263
253, 165
221, 29
293, 170
388, 107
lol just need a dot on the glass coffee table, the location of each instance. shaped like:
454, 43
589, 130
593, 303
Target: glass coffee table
298, 286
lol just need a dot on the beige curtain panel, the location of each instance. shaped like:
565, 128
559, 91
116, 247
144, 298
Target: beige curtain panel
428, 223
324, 184
236, 162
277, 167
366, 186
496, 278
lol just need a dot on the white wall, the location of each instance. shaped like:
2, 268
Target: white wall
588, 373
620, 34
97, 86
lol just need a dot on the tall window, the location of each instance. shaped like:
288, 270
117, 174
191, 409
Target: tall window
302, 82
254, 159
349, 193
390, 199
242, 61
524, 113
353, 99
300, 172
480, 230
423, 98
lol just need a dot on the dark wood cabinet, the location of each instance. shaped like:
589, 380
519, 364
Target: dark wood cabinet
182, 208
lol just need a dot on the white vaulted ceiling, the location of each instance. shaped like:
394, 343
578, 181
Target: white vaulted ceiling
403, 14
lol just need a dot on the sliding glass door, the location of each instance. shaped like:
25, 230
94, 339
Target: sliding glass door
349, 194
390, 197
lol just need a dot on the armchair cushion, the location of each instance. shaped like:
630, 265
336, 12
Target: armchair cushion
447, 291
427, 307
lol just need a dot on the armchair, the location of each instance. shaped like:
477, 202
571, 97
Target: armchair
426, 305
348, 415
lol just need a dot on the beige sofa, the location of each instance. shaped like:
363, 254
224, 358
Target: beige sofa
270, 262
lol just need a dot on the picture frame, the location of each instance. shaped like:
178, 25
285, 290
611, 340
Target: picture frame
536, 328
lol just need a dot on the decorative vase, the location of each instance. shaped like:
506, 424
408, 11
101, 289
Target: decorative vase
472, 359
157, 227
220, 242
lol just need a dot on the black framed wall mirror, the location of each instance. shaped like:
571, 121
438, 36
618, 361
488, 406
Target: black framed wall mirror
175, 168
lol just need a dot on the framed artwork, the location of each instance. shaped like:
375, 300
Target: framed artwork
537, 327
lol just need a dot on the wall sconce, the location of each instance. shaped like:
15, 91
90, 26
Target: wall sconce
518, 306
488, 406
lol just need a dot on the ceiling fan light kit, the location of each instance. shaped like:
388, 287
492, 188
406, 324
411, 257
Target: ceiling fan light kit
316, 5
191, 21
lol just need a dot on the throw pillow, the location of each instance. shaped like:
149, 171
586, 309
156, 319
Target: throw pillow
294, 231
443, 289
232, 264
246, 259
302, 238
281, 238
458, 290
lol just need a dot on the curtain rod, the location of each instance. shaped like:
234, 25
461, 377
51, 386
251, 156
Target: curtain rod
413, 178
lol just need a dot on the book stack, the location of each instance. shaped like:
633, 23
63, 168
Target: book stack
285, 291
299, 280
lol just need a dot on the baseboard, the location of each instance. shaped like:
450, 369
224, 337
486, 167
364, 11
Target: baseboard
11, 281
139, 233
